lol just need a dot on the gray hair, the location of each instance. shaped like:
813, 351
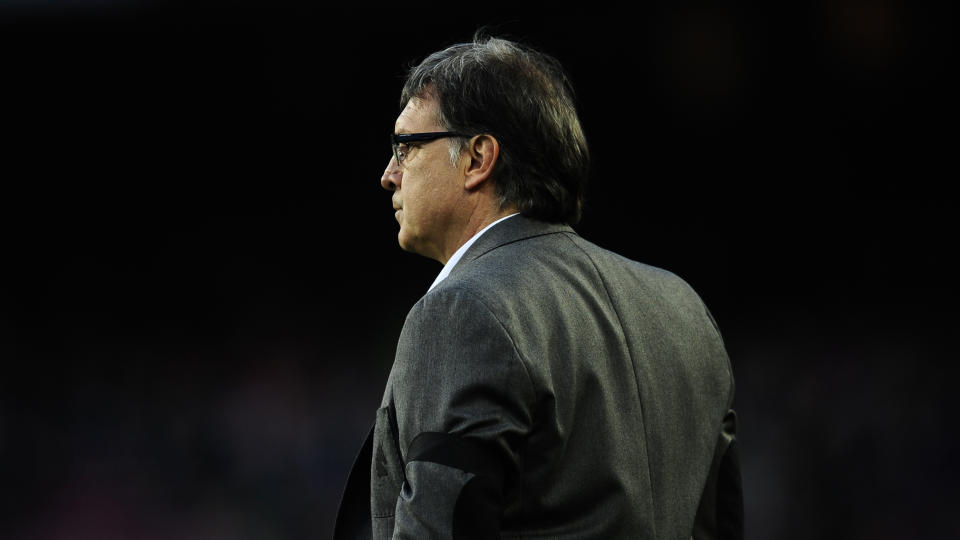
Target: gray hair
524, 99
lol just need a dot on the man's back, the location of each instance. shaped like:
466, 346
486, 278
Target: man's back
630, 384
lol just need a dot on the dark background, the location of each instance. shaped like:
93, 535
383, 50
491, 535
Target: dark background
202, 286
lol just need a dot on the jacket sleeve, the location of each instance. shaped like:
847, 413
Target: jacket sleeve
462, 399
720, 515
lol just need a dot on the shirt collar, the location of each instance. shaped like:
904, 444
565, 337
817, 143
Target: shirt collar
458, 254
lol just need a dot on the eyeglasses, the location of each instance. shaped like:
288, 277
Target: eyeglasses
400, 141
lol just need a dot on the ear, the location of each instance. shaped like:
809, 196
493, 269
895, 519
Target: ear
482, 154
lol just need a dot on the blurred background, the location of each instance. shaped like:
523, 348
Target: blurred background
202, 289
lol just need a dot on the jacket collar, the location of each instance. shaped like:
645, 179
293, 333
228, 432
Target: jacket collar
516, 228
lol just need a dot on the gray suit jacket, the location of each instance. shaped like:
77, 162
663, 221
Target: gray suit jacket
551, 388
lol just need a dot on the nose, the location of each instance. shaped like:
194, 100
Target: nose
391, 175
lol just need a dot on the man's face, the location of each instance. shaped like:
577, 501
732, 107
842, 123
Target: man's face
427, 187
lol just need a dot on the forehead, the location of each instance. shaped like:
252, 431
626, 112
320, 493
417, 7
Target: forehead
420, 114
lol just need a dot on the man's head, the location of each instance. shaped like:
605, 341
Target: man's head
524, 99
512, 141
441, 198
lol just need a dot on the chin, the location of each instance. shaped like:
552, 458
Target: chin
406, 243
409, 244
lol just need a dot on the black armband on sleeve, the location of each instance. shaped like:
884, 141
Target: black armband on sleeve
479, 505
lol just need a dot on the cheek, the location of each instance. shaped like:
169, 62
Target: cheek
417, 194
424, 191
413, 205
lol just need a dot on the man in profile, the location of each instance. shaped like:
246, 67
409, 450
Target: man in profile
543, 386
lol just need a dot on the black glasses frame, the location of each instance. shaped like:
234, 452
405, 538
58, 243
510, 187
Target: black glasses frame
396, 139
